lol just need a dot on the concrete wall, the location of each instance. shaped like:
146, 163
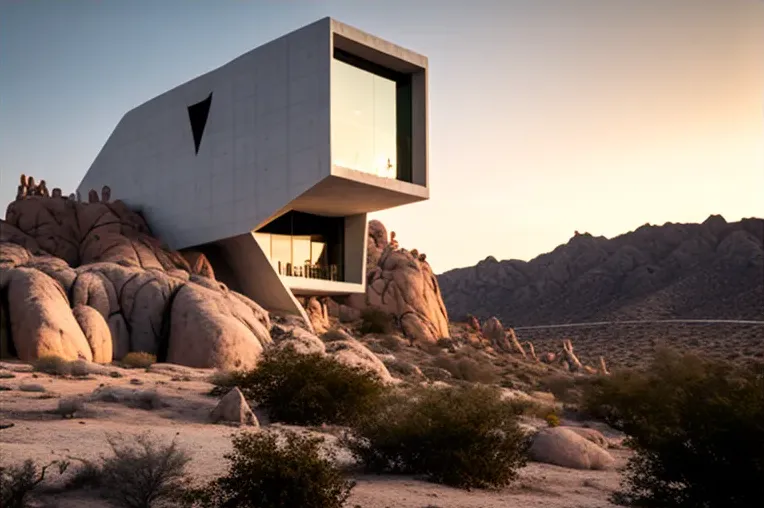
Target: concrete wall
265, 150
420, 129
266, 141
356, 234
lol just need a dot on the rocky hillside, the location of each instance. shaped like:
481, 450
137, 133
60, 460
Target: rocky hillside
712, 270
87, 280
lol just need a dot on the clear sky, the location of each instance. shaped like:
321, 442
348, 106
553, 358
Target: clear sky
547, 116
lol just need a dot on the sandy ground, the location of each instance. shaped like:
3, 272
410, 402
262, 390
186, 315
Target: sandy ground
42, 436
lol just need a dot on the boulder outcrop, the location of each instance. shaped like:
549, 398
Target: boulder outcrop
346, 350
88, 281
564, 447
233, 408
401, 283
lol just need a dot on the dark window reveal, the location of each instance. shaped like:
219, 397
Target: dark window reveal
197, 114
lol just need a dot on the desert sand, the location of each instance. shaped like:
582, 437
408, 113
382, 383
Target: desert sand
43, 436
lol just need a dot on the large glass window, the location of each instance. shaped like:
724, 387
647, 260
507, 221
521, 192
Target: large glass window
304, 245
364, 120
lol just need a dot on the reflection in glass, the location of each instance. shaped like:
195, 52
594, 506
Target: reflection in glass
281, 252
300, 255
317, 252
304, 245
363, 121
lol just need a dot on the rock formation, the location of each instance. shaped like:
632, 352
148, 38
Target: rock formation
318, 313
346, 350
88, 281
711, 270
403, 285
564, 447
500, 339
233, 408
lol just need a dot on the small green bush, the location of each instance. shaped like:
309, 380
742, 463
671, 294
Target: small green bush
552, 420
138, 360
464, 437
375, 320
310, 389
697, 427
53, 365
266, 473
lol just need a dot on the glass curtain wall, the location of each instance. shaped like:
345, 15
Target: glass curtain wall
364, 121
304, 245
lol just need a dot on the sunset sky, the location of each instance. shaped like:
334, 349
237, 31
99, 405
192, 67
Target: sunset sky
546, 117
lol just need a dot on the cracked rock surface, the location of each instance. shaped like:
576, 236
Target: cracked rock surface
88, 281
402, 283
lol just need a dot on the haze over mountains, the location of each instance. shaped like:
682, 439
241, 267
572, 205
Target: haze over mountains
713, 270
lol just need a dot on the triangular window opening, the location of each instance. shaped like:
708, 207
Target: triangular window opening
197, 114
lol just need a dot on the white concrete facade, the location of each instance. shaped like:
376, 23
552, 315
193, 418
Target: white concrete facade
265, 150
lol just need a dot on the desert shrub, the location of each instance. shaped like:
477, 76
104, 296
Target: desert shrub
552, 420
464, 437
532, 407
377, 347
138, 360
445, 343
142, 472
392, 342
436, 373
147, 399
53, 365
467, 369
375, 320
697, 427
69, 406
17, 483
565, 388
403, 368
267, 472
310, 389
431, 348
32, 387
223, 378
87, 475
334, 334
79, 368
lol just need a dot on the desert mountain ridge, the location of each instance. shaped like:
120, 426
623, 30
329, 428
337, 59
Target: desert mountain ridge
711, 270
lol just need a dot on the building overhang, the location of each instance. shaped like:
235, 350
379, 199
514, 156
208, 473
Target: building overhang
301, 286
356, 192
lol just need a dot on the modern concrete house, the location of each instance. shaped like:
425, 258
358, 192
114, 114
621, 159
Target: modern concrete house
270, 163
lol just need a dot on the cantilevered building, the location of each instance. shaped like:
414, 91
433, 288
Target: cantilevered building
270, 163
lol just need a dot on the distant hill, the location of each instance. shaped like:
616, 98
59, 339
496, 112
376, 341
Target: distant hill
713, 270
